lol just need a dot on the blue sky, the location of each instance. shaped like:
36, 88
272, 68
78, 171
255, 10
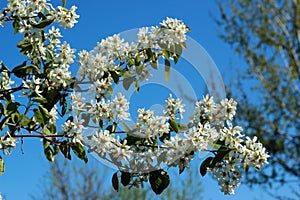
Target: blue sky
99, 19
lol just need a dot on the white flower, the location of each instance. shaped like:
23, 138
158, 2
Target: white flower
120, 106
173, 107
5, 81
34, 85
67, 18
2, 22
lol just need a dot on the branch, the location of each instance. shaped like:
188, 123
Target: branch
40, 135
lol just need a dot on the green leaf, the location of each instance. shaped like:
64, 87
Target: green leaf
111, 128
38, 116
48, 150
1, 110
41, 15
16, 25
11, 108
86, 118
205, 164
63, 2
3, 122
182, 127
165, 136
2, 166
127, 82
52, 128
46, 131
166, 53
56, 149
154, 64
23, 70
79, 151
132, 140
178, 50
25, 46
115, 181
125, 178
126, 127
221, 153
174, 125
43, 23
65, 149
40, 100
25, 120
167, 69
246, 167
159, 181
181, 168
115, 76
45, 114
136, 86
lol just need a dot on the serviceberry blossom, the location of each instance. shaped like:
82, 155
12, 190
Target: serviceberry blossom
67, 18
2, 22
7, 142
148, 143
120, 106
5, 81
174, 107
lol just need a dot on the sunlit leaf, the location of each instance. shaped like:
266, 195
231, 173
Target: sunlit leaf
2, 166
167, 69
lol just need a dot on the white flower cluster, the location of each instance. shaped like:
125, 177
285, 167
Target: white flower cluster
7, 142
67, 18
148, 125
173, 108
31, 13
1, 18
112, 52
202, 135
149, 143
30, 8
5, 81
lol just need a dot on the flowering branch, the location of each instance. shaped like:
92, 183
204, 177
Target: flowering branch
140, 151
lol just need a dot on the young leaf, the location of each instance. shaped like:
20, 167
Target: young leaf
48, 150
127, 82
126, 127
182, 127
79, 151
167, 69
65, 149
63, 2
174, 125
154, 64
45, 114
2, 166
115, 181
40, 100
43, 23
136, 86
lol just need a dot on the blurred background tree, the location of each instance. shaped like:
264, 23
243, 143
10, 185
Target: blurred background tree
266, 35
75, 180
